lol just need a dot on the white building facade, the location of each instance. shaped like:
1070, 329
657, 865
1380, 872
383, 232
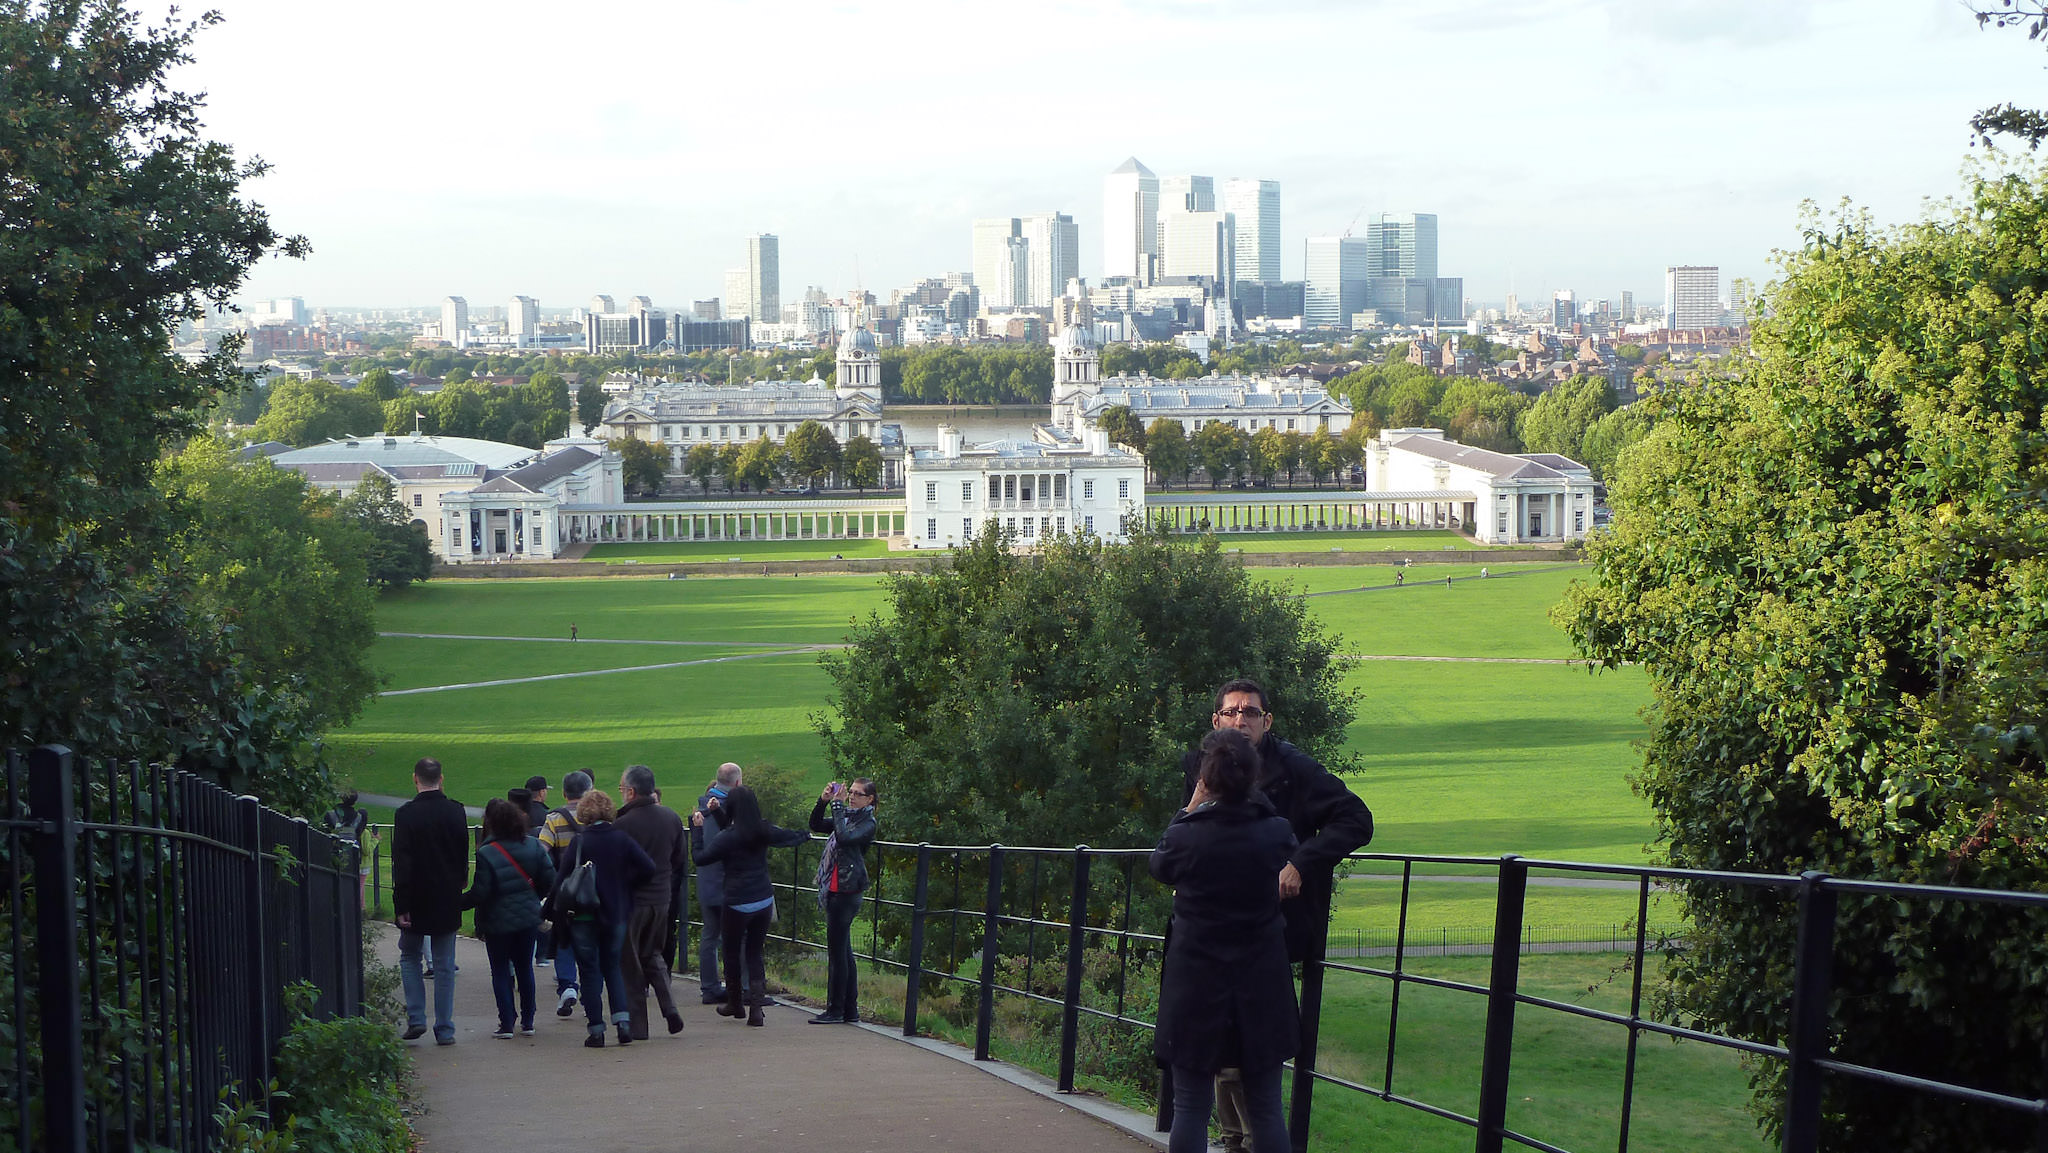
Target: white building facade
1030, 489
1528, 498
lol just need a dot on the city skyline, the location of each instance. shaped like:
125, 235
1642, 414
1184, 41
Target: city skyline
1563, 144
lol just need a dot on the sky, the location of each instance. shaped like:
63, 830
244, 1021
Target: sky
629, 148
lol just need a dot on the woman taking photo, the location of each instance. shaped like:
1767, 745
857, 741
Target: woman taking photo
600, 933
1226, 996
749, 897
842, 876
512, 876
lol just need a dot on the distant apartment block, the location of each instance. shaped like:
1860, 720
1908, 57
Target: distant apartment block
1692, 296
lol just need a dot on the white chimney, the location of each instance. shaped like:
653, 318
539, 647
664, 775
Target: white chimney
949, 441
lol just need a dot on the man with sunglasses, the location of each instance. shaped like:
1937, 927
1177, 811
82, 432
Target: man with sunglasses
1330, 822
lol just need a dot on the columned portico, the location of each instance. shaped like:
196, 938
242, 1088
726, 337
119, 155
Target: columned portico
733, 520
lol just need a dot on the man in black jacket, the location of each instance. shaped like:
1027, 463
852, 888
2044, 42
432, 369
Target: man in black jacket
1330, 822
658, 830
429, 869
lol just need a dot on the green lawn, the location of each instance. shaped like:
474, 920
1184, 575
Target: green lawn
701, 551
1461, 912
777, 611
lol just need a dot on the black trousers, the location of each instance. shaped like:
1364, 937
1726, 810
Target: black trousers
744, 936
842, 975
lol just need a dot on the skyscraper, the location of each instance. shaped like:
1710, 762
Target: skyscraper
1053, 258
1256, 204
1692, 296
764, 278
455, 321
736, 290
1336, 281
522, 319
1130, 220
1198, 244
1628, 307
1004, 280
1564, 308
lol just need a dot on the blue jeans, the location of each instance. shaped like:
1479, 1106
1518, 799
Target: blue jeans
708, 948
1193, 1095
842, 975
599, 950
511, 957
415, 985
565, 965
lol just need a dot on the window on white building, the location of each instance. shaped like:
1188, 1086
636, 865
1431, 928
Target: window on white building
724, 430
1087, 490
966, 527
1062, 529
704, 431
668, 432
1290, 424
536, 536
417, 500
1030, 527
966, 492
1123, 490
931, 529
1503, 528
778, 431
686, 433
931, 492
1089, 523
1578, 520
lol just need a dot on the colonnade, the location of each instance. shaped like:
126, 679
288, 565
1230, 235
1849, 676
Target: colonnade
1347, 514
764, 524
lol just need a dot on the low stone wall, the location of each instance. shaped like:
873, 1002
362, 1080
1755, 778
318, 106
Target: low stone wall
916, 562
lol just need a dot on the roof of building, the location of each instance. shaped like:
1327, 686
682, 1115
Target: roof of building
1219, 393
551, 468
390, 452
1072, 452
1500, 465
1130, 166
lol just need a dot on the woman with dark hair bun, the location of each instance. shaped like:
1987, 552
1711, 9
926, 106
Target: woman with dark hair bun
513, 876
1226, 997
749, 895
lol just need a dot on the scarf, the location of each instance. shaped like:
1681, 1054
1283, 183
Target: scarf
828, 866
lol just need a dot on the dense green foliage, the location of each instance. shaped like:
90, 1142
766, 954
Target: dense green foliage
303, 412
118, 221
1833, 564
641, 463
397, 552
340, 1083
1046, 699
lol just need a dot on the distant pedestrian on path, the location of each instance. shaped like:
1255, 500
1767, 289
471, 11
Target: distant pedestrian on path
1226, 993
842, 877
572, 630
513, 875
1399, 576
429, 862
749, 895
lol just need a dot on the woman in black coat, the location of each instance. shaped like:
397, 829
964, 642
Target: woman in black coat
749, 894
1226, 997
600, 934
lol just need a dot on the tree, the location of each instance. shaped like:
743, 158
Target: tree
813, 451
276, 562
702, 463
641, 464
1293, 445
862, 461
729, 465
1269, 448
379, 383
1123, 426
303, 412
759, 464
121, 221
1560, 419
1221, 449
1832, 563
2028, 125
1319, 455
589, 404
1166, 451
1611, 435
408, 412
1046, 700
397, 552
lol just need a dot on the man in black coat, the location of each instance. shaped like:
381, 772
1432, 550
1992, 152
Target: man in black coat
429, 870
1330, 822
658, 830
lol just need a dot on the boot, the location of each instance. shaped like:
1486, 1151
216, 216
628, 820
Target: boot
731, 1008
754, 1016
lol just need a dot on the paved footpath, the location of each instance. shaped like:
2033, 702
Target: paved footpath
721, 1085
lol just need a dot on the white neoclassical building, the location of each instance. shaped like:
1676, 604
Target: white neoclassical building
1080, 395
1049, 486
478, 500
679, 417
1525, 498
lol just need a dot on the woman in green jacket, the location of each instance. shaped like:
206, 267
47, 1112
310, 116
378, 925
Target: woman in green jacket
513, 877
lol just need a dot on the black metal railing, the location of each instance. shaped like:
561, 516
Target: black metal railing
1078, 933
154, 924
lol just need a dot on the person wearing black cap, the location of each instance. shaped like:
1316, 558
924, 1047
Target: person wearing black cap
536, 804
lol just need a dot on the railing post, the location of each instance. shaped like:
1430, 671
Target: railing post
50, 802
1077, 943
1812, 987
1301, 1100
301, 966
376, 873
257, 942
1497, 1058
913, 969
985, 1015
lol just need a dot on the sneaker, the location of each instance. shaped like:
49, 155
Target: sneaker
415, 1032
567, 1003
526, 1030
444, 1040
594, 1041
544, 961
503, 1033
428, 971
625, 1036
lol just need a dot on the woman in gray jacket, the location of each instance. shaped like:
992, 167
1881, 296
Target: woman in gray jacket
513, 876
842, 877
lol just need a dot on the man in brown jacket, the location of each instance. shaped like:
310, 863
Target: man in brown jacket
658, 830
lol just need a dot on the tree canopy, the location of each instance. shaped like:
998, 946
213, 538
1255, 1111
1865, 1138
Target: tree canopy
1046, 699
1832, 562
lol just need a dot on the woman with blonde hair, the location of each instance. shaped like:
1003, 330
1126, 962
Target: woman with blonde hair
600, 933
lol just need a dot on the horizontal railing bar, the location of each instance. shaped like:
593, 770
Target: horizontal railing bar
1963, 1092
1390, 1098
1531, 1142
1933, 892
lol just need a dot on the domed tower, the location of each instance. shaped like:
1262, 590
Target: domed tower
859, 366
1076, 371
